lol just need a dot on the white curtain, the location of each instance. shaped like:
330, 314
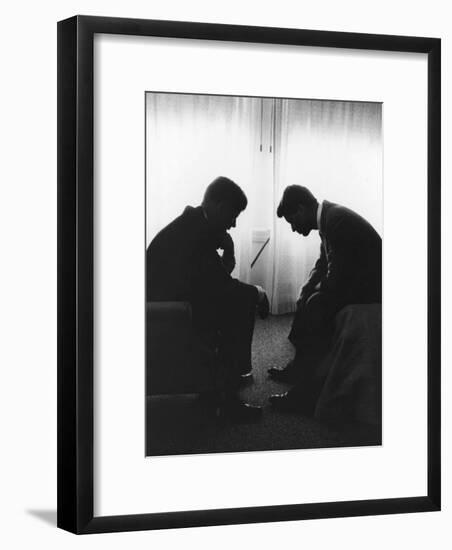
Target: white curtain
333, 148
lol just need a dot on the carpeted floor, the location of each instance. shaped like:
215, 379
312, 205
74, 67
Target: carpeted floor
181, 424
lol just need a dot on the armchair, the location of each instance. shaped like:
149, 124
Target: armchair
179, 360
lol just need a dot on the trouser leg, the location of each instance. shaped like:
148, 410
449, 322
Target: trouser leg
237, 329
311, 335
312, 325
232, 317
240, 337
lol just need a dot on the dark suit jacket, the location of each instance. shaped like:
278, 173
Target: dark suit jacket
182, 263
350, 264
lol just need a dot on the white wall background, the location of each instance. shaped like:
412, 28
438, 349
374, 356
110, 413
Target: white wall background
28, 290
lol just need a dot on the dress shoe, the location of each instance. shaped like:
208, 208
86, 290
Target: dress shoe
246, 370
263, 308
286, 374
246, 375
289, 402
239, 412
246, 380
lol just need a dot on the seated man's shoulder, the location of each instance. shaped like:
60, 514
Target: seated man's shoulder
345, 222
348, 229
339, 217
337, 212
180, 228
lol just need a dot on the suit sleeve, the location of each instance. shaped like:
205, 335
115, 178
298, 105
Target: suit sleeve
339, 263
319, 271
228, 260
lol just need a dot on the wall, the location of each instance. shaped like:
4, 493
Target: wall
28, 299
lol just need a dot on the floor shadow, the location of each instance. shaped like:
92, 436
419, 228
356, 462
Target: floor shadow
47, 516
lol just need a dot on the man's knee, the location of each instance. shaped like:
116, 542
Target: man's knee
318, 308
240, 301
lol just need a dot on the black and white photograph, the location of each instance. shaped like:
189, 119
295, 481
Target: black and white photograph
227, 255
264, 234
249, 275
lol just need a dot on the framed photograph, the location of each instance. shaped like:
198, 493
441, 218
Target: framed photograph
248, 274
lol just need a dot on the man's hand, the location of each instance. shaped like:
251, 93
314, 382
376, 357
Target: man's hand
305, 293
226, 244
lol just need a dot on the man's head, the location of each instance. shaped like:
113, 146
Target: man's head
223, 201
298, 206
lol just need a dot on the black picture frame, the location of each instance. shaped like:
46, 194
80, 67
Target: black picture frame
75, 273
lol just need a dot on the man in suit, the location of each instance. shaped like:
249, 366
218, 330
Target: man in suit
183, 263
348, 271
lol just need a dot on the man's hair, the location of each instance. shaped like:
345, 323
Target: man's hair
293, 196
225, 190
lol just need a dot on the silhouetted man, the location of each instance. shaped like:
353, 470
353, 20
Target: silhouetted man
183, 264
348, 271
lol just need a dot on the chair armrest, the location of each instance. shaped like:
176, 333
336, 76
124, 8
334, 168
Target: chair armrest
161, 311
179, 359
168, 342
170, 321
